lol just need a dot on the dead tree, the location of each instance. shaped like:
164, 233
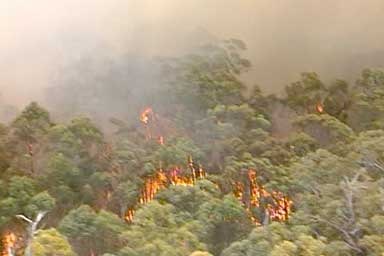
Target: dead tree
31, 230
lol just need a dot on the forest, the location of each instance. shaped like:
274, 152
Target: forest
198, 164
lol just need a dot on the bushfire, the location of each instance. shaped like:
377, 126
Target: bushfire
9, 242
175, 176
319, 108
146, 115
151, 124
161, 140
276, 206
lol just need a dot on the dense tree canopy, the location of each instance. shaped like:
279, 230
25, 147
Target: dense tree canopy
208, 168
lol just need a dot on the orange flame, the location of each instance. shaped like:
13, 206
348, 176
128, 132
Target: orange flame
9, 242
145, 115
129, 215
279, 206
30, 149
159, 181
320, 108
161, 140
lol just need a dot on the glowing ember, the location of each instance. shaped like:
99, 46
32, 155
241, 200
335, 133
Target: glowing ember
320, 108
201, 172
30, 149
145, 115
161, 140
129, 215
152, 128
9, 242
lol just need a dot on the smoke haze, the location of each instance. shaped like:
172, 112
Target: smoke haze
336, 38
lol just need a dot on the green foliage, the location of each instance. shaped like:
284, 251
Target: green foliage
328, 131
338, 100
42, 202
91, 231
302, 144
158, 230
304, 95
188, 199
200, 253
22, 196
329, 164
126, 194
33, 122
198, 82
367, 106
79, 223
51, 242
277, 239
176, 153
63, 140
224, 221
85, 131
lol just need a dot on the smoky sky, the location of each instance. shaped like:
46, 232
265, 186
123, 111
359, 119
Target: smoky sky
335, 38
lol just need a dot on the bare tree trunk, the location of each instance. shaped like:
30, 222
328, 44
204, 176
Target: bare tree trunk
31, 230
28, 249
348, 225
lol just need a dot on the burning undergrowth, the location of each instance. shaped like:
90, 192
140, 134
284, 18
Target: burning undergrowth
274, 204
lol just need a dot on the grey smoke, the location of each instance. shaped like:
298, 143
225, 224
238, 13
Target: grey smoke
41, 38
